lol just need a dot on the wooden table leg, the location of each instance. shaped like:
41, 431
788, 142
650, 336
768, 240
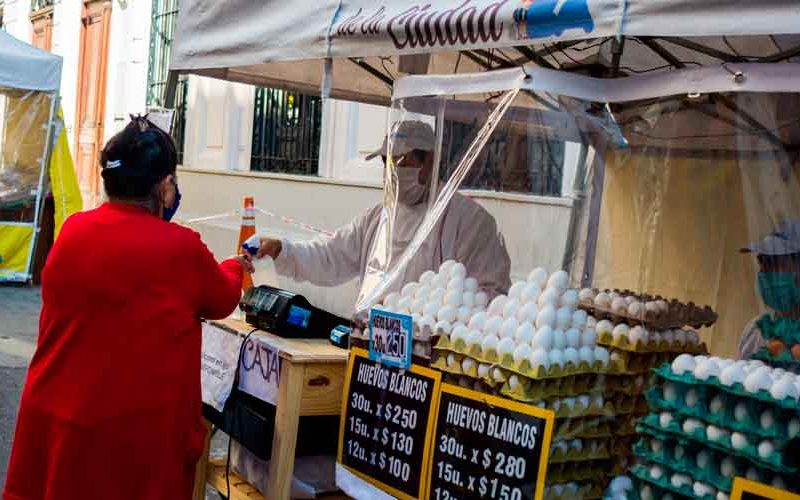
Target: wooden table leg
284, 440
200, 472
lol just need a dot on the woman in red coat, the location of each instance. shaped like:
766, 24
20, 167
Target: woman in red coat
111, 407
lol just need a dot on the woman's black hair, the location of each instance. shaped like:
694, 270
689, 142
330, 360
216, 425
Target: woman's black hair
135, 160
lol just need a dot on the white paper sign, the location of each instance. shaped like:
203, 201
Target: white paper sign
218, 364
161, 117
259, 373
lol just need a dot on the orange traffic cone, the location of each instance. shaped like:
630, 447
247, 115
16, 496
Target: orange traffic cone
246, 230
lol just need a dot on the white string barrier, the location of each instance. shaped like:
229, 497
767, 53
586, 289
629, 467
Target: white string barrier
238, 212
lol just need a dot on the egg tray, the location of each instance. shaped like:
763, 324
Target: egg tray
593, 449
530, 390
653, 324
687, 464
619, 405
628, 384
589, 470
639, 363
524, 367
623, 343
595, 427
476, 385
783, 360
725, 419
665, 372
650, 425
787, 330
585, 490
662, 485
440, 363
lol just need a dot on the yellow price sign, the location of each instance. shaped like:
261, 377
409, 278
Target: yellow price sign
744, 489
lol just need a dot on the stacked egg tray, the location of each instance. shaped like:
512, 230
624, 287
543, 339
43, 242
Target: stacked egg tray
783, 343
654, 312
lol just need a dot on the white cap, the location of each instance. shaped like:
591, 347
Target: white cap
785, 240
407, 136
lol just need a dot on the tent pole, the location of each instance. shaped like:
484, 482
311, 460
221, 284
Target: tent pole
593, 221
653, 45
172, 87
782, 56
372, 71
617, 47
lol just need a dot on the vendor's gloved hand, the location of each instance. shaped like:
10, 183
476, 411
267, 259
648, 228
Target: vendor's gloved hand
246, 261
269, 247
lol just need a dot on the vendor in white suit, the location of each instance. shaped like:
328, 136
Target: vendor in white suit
465, 232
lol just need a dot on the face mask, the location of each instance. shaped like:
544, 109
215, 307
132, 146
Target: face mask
779, 290
169, 212
410, 191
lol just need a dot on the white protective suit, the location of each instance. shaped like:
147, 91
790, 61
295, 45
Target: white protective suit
466, 233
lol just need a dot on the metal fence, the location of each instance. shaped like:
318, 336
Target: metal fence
286, 132
162, 29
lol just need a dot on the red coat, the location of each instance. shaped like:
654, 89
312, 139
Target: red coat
111, 407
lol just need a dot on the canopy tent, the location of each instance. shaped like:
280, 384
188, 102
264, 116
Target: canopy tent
29, 82
286, 44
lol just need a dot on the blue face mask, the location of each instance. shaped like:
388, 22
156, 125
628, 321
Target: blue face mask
779, 290
169, 212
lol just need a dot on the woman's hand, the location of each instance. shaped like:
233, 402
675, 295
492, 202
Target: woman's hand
269, 247
246, 261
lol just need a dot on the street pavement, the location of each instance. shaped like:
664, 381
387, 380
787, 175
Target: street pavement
19, 324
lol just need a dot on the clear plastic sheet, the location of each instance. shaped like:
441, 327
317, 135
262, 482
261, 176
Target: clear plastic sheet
24, 118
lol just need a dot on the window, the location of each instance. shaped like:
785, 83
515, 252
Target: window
162, 29
42, 24
286, 132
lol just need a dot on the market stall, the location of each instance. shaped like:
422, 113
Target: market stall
29, 82
683, 227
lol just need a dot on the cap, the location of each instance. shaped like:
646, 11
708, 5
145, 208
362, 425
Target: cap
407, 136
785, 240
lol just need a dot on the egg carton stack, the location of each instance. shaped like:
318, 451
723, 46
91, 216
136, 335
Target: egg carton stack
714, 419
653, 311
437, 302
783, 342
534, 345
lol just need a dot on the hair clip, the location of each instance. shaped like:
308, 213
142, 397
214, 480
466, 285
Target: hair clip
113, 164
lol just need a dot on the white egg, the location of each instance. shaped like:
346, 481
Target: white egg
574, 444
670, 392
728, 467
498, 375
440, 281
604, 326
669, 337
422, 292
569, 299
538, 276
589, 338
692, 338
646, 493
559, 340
690, 425
571, 356
558, 280
753, 475
601, 354
524, 333
546, 317
446, 266
497, 305
506, 346
680, 480
488, 343
656, 472
556, 357
530, 293
468, 364
427, 277
513, 382
516, 289
619, 306
579, 319
591, 322
459, 270
703, 489
739, 441
620, 484
663, 307
484, 370
426, 323
783, 389
779, 483
733, 374
471, 285
443, 327
563, 318
478, 321
621, 332
706, 369
714, 433
539, 357
511, 308
403, 305
635, 309
683, 364
638, 335
392, 300
655, 337
702, 459
431, 309
766, 448
409, 290
459, 332
437, 295
528, 312
509, 327
475, 338
492, 326
453, 298
447, 313
691, 398
549, 297
602, 300
757, 381
680, 337
521, 352
543, 338
417, 305
716, 405
793, 428
481, 299
586, 354
767, 419
456, 284
452, 361
573, 338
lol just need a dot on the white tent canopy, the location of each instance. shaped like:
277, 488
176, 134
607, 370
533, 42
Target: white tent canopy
285, 44
25, 67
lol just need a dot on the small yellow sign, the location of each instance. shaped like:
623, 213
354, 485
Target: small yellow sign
744, 489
